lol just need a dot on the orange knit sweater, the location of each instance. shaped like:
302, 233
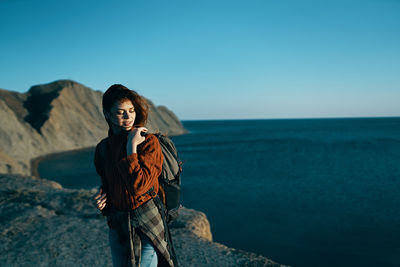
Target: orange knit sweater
126, 178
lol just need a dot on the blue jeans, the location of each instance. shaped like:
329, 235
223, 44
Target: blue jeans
119, 256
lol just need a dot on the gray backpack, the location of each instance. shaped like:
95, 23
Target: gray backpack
170, 177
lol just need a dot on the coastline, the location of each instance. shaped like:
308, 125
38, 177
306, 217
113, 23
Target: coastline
62, 225
36, 161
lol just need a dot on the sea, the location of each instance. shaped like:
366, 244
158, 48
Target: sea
302, 192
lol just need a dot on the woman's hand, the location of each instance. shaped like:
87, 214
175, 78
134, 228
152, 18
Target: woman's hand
100, 199
134, 139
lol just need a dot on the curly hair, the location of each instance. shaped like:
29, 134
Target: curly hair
119, 93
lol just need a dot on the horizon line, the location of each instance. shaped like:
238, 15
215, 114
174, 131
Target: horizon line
297, 118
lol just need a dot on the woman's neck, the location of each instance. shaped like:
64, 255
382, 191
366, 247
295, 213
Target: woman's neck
116, 130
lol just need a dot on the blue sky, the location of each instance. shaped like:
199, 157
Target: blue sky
214, 59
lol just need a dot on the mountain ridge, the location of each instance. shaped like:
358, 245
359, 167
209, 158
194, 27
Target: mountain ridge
59, 116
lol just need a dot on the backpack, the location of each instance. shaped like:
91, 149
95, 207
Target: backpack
169, 179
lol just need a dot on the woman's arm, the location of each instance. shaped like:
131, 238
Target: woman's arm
142, 169
100, 197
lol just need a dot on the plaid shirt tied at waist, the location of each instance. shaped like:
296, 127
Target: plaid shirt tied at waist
147, 219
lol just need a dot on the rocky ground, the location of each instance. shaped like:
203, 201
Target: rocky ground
43, 224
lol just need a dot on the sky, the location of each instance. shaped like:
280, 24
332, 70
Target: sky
215, 59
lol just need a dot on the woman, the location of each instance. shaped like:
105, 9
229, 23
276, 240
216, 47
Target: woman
129, 163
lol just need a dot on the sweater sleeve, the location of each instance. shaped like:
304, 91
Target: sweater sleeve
99, 165
142, 169
98, 162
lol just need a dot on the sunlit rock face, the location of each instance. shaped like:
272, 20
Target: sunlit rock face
59, 116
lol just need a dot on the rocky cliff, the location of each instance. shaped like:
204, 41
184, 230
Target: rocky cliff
43, 224
59, 116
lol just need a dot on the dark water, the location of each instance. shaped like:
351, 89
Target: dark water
312, 192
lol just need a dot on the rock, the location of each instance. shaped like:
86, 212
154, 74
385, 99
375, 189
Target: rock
194, 222
59, 116
43, 224
17, 142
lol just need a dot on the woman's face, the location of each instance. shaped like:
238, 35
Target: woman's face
122, 116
